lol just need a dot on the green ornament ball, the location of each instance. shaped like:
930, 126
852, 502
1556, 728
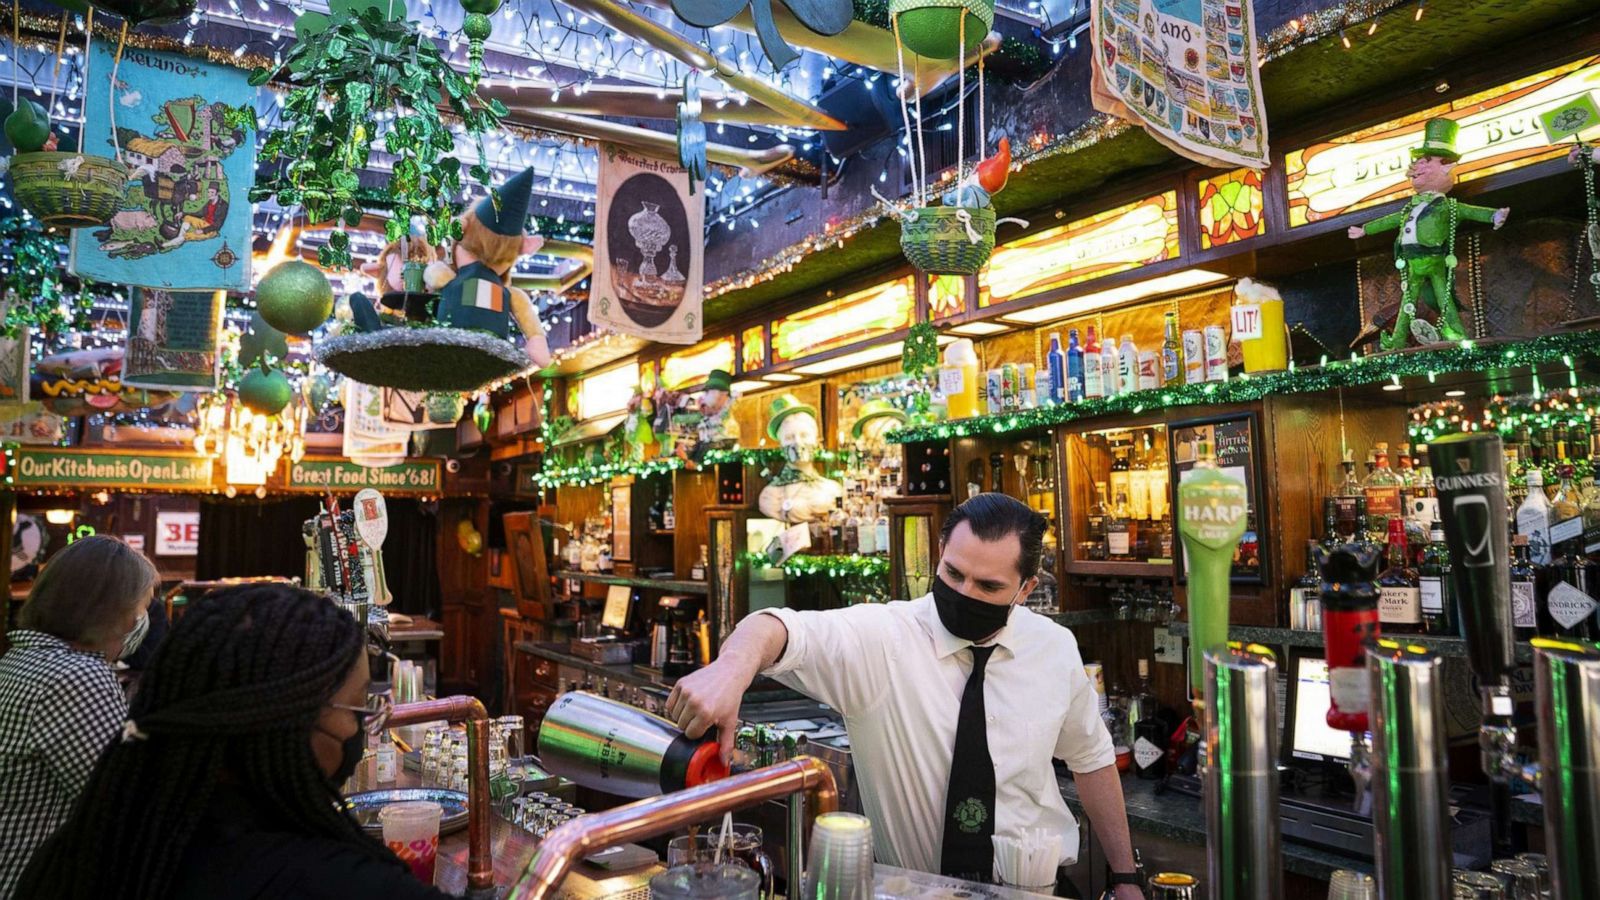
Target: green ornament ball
445, 409
476, 26
28, 127
295, 297
265, 392
935, 31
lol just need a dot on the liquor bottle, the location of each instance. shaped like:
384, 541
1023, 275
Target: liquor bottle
1150, 732
1566, 515
1330, 523
1094, 385
1159, 477
1139, 480
1591, 517
997, 472
1074, 367
1171, 352
1382, 490
1110, 368
1097, 521
655, 515
1567, 609
1056, 364
1345, 497
1533, 519
1437, 593
1399, 600
1128, 366
880, 529
1305, 606
669, 516
1118, 534
852, 531
697, 572
866, 533
1524, 590
836, 520
1120, 475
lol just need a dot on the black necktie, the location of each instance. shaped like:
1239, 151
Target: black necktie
969, 806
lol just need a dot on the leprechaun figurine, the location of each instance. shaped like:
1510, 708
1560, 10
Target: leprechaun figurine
1425, 248
718, 429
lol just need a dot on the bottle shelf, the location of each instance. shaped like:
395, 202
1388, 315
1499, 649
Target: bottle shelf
672, 586
1292, 637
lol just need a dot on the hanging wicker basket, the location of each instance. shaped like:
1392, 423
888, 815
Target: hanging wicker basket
939, 239
932, 28
72, 190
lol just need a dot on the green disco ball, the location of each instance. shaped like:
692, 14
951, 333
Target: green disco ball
265, 392
933, 29
445, 409
295, 297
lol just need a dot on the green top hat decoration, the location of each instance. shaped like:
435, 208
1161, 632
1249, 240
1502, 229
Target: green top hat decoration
875, 409
1438, 139
784, 407
719, 380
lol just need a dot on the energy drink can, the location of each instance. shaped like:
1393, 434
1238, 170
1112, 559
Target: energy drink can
1194, 356
1097, 680
1008, 387
995, 391
1216, 353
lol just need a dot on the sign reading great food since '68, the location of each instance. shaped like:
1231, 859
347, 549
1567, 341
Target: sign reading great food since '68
38, 466
343, 475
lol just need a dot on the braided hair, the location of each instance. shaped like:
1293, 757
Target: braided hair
233, 693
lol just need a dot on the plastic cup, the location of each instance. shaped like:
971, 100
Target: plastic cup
1347, 885
411, 831
727, 882
841, 865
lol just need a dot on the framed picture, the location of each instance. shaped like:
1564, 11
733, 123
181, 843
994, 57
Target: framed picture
529, 573
622, 522
1233, 440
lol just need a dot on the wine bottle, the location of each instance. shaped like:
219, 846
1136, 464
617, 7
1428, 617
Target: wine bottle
1438, 594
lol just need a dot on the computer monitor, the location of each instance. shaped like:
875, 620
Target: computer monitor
1309, 739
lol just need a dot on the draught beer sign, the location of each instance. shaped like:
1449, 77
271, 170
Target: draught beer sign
1470, 478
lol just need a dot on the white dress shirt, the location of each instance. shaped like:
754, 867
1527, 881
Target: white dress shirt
896, 675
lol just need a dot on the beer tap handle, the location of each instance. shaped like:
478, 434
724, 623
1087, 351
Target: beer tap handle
1349, 619
1470, 478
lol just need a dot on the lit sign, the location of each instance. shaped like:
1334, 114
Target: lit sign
607, 392
690, 367
1500, 130
1230, 208
863, 315
753, 349
1116, 240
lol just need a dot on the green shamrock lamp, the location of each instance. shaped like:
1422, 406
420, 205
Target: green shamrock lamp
1425, 246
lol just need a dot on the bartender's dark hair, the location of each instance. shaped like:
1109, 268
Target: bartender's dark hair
992, 516
236, 688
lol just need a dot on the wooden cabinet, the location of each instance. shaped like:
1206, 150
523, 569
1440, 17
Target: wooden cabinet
914, 526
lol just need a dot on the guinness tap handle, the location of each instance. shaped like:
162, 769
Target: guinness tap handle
1469, 474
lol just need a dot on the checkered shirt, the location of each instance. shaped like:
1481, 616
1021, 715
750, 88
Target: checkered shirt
59, 707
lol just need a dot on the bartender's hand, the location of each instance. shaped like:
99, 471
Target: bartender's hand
710, 697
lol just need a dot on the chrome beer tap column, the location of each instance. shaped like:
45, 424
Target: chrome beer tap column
1469, 474
1410, 775
1240, 774
1567, 680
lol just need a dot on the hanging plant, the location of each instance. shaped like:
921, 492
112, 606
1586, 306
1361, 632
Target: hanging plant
36, 298
347, 68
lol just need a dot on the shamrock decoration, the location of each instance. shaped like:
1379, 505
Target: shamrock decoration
825, 17
921, 350
692, 131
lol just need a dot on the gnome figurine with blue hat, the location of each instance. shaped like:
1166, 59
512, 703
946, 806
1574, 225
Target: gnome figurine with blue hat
1425, 245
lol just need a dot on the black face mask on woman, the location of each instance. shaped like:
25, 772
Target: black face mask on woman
965, 617
350, 752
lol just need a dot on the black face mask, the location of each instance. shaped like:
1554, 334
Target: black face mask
964, 617
350, 753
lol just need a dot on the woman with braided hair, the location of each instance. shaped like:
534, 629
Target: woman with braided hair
224, 783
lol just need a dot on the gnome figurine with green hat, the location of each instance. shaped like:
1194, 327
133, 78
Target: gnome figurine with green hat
1425, 247
798, 493
718, 429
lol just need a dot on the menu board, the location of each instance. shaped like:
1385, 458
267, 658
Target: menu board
1233, 444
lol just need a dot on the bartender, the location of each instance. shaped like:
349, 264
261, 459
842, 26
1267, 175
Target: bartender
955, 702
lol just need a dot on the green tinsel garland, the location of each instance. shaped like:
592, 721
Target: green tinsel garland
836, 566
1468, 356
559, 472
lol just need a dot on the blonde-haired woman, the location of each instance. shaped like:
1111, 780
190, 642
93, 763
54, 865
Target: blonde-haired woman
60, 704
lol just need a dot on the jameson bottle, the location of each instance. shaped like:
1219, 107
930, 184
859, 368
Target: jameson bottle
1399, 589
1438, 597
1524, 590
1212, 516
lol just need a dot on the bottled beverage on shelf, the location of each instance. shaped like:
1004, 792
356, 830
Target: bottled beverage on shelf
697, 572
1149, 370
1138, 480
1055, 362
654, 515
1194, 356
1567, 608
1345, 498
836, 520
1028, 397
1110, 367
1525, 578
1171, 352
1119, 536
1566, 515
1120, 475
1330, 523
1399, 589
866, 534
1074, 367
1114, 713
959, 379
852, 532
1382, 491
1158, 477
1128, 366
1150, 733
1437, 594
1591, 517
1094, 386
669, 516
1305, 597
1534, 517
880, 528
1097, 522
